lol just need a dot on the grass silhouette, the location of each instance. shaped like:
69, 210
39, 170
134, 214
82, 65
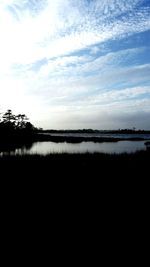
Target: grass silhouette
95, 163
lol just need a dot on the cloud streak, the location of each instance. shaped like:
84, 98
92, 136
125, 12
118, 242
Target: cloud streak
62, 27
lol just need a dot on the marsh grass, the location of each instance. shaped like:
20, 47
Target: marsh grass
76, 182
95, 164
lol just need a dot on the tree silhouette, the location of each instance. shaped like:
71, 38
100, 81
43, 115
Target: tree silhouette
21, 121
15, 123
8, 121
8, 117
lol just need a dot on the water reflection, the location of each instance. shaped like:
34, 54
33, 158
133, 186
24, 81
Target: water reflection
13, 149
44, 148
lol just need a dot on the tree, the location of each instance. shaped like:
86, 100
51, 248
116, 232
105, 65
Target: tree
11, 123
8, 117
21, 121
9, 120
29, 127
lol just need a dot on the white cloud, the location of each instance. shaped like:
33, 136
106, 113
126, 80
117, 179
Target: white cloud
120, 95
77, 75
62, 82
63, 27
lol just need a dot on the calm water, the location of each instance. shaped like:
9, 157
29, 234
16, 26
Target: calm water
44, 148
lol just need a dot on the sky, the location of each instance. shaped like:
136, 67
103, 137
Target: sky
74, 64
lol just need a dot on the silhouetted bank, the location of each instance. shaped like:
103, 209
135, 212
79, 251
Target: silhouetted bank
89, 135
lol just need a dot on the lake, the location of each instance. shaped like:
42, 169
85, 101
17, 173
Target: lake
45, 148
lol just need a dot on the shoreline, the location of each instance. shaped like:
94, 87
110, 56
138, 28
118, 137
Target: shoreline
38, 137
12, 142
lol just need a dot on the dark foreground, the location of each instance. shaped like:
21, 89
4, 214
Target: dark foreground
104, 191
96, 165
90, 179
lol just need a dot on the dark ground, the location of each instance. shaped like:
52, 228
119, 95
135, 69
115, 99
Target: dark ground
96, 165
83, 195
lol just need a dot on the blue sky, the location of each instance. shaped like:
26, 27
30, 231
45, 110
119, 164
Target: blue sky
76, 63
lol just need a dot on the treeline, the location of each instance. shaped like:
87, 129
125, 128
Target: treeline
11, 123
70, 131
119, 131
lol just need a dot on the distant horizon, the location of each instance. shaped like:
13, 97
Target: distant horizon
76, 64
90, 129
